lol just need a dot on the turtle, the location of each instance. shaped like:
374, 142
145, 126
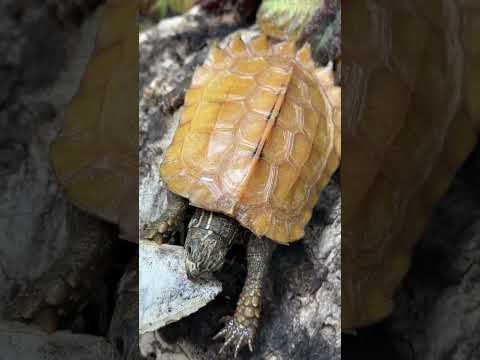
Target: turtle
257, 141
93, 158
411, 119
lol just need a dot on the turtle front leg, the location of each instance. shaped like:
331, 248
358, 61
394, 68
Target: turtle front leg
242, 327
164, 227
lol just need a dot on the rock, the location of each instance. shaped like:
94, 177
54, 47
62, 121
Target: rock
152, 199
166, 293
35, 224
123, 332
152, 345
438, 312
23, 342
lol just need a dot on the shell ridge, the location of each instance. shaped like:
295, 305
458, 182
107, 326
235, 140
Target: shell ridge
235, 199
271, 120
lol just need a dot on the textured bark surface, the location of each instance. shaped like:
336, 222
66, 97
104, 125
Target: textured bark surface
302, 304
30, 197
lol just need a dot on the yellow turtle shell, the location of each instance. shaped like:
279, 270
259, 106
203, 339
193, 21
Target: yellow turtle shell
411, 119
95, 155
259, 137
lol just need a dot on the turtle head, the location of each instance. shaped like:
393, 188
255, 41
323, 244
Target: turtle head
209, 238
206, 252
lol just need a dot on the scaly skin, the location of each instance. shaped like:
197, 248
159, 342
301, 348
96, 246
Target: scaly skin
210, 236
242, 327
174, 215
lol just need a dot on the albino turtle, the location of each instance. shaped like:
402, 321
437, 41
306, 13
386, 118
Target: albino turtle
258, 139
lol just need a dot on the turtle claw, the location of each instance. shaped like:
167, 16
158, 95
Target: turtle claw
162, 229
219, 334
236, 334
250, 344
165, 230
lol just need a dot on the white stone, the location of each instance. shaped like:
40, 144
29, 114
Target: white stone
166, 293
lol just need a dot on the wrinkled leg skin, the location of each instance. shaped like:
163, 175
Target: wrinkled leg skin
241, 329
175, 210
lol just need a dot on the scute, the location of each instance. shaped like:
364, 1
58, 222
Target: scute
408, 131
95, 155
263, 121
